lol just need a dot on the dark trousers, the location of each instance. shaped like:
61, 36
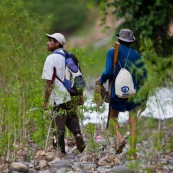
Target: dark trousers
66, 116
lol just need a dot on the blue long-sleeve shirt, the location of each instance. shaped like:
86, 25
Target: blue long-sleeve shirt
134, 64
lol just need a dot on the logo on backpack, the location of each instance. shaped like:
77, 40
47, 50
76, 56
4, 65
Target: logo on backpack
125, 89
73, 81
124, 86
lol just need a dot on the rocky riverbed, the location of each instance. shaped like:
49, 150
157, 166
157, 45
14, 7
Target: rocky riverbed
154, 154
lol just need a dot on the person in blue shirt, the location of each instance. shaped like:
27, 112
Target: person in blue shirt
136, 66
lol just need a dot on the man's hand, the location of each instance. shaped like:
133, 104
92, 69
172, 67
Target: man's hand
45, 105
97, 81
48, 89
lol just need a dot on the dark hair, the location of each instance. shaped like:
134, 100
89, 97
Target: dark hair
61, 46
124, 42
55, 41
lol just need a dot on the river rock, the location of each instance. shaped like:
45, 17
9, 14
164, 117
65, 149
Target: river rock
20, 167
42, 164
62, 164
120, 169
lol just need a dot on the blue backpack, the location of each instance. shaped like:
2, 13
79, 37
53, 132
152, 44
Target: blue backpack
73, 81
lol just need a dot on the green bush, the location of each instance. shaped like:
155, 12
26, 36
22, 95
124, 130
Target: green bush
21, 88
150, 19
23, 52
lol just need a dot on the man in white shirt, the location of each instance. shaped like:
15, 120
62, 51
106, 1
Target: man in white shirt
56, 94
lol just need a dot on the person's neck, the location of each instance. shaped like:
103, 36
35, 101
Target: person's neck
57, 49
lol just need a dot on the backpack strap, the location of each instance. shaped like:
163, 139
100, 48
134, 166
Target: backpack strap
60, 53
126, 59
64, 55
67, 53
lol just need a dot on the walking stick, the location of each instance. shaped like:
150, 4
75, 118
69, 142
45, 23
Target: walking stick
116, 50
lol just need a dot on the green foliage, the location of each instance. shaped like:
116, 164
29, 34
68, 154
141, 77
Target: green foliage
90, 131
146, 18
66, 17
21, 88
20, 85
158, 68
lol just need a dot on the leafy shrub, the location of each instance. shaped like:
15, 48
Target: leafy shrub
150, 19
20, 67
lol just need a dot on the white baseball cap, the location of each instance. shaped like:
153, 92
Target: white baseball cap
58, 37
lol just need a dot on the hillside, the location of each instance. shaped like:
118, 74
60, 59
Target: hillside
92, 33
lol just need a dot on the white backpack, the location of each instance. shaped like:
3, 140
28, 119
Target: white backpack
124, 86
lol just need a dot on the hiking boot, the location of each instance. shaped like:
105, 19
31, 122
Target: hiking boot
80, 143
120, 147
55, 145
63, 152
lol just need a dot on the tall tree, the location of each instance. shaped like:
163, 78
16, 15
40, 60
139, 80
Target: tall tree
147, 18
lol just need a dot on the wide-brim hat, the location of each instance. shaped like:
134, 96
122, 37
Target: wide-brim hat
126, 35
58, 37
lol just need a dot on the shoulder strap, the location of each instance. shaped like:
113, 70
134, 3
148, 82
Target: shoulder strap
60, 53
126, 59
58, 79
64, 55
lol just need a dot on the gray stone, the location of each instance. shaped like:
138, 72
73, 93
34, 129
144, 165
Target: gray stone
49, 156
62, 164
4, 167
32, 171
84, 171
76, 167
20, 167
164, 161
44, 171
102, 154
89, 164
170, 162
28, 164
63, 170
120, 169
6, 171
42, 164
102, 169
170, 167
70, 157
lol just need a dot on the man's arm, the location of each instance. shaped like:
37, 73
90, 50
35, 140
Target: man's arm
48, 89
